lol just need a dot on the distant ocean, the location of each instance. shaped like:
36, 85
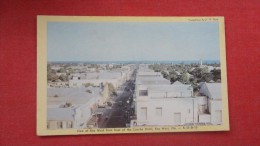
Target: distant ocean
139, 62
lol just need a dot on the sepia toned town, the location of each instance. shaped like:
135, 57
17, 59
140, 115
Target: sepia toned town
130, 94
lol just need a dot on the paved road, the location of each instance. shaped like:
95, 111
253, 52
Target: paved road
116, 117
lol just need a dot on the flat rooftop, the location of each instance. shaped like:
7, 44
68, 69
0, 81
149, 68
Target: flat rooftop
100, 75
60, 114
73, 95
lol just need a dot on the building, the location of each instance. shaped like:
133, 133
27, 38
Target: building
71, 107
97, 79
213, 93
151, 80
162, 104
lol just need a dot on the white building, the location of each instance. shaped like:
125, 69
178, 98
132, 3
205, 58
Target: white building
151, 80
161, 104
71, 107
213, 93
168, 105
96, 79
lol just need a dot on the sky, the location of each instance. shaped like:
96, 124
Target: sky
132, 41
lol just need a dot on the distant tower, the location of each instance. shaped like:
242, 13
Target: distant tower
201, 62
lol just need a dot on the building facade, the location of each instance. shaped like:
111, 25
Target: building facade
163, 104
72, 107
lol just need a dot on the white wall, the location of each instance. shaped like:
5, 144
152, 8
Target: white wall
205, 118
54, 124
191, 109
215, 107
198, 101
184, 106
188, 107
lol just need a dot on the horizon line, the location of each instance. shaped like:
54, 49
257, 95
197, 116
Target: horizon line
133, 60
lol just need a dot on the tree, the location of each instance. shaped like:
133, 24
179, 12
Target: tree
52, 77
61, 70
165, 74
173, 76
184, 78
207, 77
63, 78
193, 82
157, 68
67, 104
88, 84
89, 91
111, 89
70, 70
216, 74
200, 74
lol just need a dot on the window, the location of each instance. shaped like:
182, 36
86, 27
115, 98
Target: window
143, 93
69, 124
158, 111
202, 108
59, 125
144, 113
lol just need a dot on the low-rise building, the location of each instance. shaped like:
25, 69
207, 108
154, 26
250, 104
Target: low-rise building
213, 93
96, 79
162, 104
71, 107
168, 105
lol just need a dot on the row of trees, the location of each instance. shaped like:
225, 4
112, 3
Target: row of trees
186, 75
111, 89
52, 74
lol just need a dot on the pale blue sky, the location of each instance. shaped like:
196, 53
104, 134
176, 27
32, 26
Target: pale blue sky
132, 41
